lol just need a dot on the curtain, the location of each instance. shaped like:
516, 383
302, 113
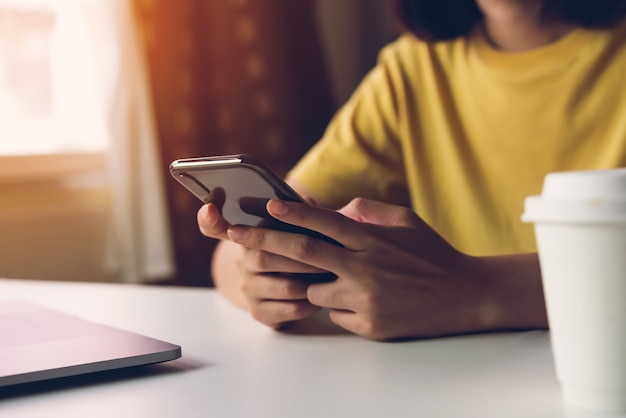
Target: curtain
227, 77
140, 246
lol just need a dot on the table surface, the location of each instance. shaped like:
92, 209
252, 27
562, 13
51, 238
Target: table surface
234, 367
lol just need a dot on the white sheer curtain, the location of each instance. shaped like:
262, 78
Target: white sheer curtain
140, 245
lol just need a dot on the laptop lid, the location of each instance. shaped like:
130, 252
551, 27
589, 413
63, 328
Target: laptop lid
38, 343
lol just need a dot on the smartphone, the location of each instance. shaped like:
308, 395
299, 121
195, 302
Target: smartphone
241, 185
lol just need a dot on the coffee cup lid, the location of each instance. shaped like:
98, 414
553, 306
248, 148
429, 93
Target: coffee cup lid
579, 196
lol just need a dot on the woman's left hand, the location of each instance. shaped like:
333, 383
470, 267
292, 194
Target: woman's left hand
396, 276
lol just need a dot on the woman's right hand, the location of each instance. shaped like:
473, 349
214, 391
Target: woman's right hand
251, 278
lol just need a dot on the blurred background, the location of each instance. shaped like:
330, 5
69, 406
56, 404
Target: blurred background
97, 97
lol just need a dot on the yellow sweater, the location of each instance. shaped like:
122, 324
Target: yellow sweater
463, 133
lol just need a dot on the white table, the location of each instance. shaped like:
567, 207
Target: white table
235, 367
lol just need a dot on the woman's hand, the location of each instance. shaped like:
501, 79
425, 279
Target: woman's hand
396, 276
259, 280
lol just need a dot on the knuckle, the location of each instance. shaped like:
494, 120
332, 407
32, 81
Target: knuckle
282, 289
305, 248
256, 238
259, 260
291, 289
292, 311
358, 203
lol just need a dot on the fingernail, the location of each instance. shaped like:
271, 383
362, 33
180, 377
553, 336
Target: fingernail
238, 233
277, 207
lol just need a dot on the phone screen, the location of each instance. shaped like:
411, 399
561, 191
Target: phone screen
241, 193
240, 186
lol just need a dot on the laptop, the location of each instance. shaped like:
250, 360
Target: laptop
38, 343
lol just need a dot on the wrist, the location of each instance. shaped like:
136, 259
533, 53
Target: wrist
511, 296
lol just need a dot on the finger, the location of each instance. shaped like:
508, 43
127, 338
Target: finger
332, 295
345, 319
355, 323
258, 261
379, 213
274, 287
348, 232
211, 222
350, 308
280, 313
298, 247
342, 304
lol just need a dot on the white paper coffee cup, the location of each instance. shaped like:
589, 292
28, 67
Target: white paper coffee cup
580, 227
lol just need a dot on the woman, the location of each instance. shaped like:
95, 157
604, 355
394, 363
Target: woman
460, 121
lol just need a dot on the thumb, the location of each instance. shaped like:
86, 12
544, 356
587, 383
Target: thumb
379, 213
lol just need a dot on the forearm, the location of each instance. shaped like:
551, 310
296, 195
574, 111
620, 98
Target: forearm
514, 299
226, 276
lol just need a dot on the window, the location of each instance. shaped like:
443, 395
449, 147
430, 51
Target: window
72, 77
51, 91
53, 138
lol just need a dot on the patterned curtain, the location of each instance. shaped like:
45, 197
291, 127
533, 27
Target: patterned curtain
231, 76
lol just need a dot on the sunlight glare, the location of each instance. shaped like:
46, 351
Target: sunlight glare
51, 95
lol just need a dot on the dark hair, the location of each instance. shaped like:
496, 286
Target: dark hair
438, 20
